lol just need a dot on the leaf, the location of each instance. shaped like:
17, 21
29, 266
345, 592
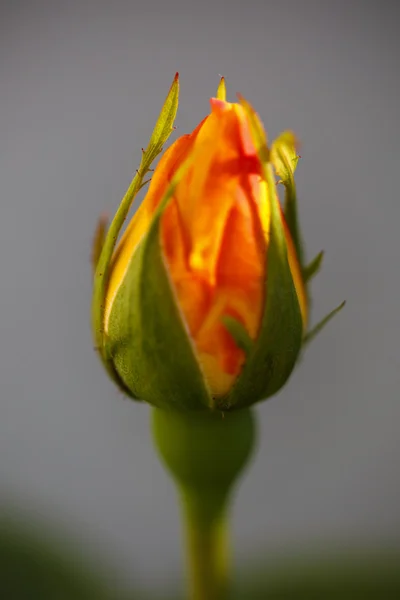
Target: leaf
372, 573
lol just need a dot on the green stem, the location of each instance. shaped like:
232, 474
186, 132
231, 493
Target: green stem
207, 548
205, 452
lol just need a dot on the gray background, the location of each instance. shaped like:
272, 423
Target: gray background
80, 87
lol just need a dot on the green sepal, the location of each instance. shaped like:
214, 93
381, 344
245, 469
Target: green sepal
274, 353
239, 333
98, 240
165, 123
310, 270
149, 343
310, 335
108, 363
284, 157
104, 245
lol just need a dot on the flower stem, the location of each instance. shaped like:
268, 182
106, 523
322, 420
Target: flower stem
206, 544
205, 451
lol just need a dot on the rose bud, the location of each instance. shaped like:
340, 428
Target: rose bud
205, 302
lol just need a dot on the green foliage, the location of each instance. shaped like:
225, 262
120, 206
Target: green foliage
34, 569
37, 566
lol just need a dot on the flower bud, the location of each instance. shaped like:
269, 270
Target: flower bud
203, 303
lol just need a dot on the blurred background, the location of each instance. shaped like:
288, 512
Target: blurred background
81, 84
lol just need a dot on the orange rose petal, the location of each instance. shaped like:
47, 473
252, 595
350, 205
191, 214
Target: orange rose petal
215, 244
241, 263
192, 292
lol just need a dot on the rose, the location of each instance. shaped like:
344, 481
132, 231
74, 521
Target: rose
205, 302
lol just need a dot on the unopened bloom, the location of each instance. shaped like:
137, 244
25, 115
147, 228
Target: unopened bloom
205, 302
